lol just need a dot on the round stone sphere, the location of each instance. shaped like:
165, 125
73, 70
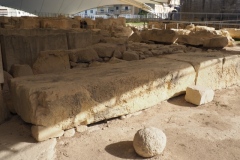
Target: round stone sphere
149, 142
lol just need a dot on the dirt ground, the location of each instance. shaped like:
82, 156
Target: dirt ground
207, 132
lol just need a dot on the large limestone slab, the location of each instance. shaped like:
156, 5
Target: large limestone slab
216, 70
84, 96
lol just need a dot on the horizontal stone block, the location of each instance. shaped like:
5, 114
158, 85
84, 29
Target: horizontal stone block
84, 96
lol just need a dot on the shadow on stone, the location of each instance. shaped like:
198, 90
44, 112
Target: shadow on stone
123, 149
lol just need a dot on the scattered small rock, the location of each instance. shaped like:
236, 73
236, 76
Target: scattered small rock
82, 128
149, 142
69, 133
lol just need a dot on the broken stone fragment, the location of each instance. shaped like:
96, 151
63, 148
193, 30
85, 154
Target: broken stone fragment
81, 128
130, 56
69, 133
41, 133
199, 95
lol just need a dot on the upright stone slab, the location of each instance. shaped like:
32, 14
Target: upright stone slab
84, 96
18, 49
80, 39
1, 68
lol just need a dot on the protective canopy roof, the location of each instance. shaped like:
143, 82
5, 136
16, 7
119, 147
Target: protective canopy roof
65, 6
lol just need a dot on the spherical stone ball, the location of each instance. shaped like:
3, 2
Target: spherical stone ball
149, 142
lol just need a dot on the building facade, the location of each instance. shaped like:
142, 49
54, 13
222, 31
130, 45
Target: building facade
112, 10
210, 6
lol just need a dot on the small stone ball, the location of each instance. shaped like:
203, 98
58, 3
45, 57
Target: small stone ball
149, 142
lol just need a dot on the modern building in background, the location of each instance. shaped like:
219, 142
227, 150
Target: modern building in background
210, 6
10, 12
112, 10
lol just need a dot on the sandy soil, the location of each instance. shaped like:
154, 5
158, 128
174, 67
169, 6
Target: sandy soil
207, 132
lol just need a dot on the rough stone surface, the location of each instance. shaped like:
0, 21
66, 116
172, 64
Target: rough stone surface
19, 70
191, 40
216, 70
218, 42
104, 49
16, 136
69, 133
117, 54
4, 112
41, 133
82, 128
162, 36
234, 32
199, 95
83, 55
6, 92
1, 70
135, 37
51, 61
79, 39
149, 142
121, 31
98, 93
22, 49
130, 56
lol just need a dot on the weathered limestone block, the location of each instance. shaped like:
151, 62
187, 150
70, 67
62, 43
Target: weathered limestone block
1, 70
51, 62
59, 23
80, 39
199, 95
218, 42
84, 96
113, 40
117, 54
18, 49
204, 28
190, 40
120, 31
130, 56
135, 37
104, 49
216, 70
69, 132
162, 36
6, 92
83, 55
234, 32
41, 133
19, 70
29, 22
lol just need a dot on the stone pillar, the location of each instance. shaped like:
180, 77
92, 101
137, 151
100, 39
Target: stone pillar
4, 112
